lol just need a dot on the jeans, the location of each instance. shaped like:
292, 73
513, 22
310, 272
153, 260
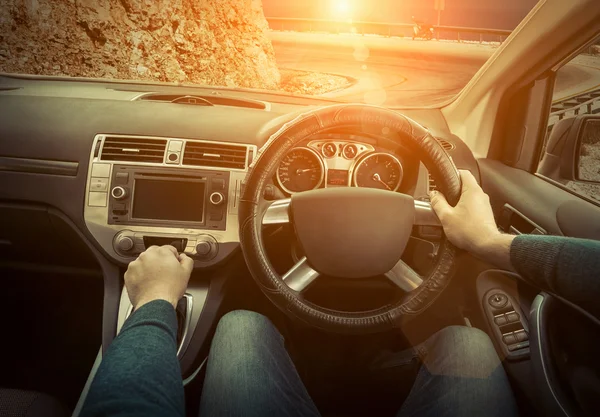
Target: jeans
249, 373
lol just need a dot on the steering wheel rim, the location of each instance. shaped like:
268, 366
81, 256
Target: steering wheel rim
394, 127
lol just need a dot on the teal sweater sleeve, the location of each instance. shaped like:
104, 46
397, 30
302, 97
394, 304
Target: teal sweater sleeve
567, 267
140, 374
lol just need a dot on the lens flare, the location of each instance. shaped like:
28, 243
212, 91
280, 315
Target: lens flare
341, 8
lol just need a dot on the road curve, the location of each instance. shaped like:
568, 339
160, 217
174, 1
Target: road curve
403, 72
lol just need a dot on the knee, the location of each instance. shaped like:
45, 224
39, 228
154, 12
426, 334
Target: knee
464, 339
463, 351
243, 324
243, 340
242, 332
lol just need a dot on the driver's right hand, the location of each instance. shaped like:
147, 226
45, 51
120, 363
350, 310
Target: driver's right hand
470, 225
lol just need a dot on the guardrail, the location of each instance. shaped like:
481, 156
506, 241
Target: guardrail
385, 29
584, 103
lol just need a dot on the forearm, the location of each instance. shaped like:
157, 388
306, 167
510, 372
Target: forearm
140, 374
495, 250
566, 267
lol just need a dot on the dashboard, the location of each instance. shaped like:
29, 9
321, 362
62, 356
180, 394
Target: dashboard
130, 170
326, 163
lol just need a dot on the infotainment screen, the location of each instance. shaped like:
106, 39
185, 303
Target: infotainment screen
168, 200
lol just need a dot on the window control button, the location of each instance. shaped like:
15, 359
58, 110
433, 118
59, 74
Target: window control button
500, 320
517, 346
521, 336
509, 339
512, 317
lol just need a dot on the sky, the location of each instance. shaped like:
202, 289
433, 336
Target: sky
493, 14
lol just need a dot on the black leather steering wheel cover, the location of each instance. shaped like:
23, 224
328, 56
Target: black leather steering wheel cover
397, 128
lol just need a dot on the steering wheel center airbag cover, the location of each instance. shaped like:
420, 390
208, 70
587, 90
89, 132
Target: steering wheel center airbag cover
352, 232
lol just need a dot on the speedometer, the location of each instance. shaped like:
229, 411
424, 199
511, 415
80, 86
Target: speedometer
300, 170
378, 170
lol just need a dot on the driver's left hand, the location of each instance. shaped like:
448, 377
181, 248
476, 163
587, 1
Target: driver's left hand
159, 273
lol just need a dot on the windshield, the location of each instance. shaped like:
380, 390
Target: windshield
383, 52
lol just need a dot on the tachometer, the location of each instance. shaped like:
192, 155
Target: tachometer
300, 170
378, 170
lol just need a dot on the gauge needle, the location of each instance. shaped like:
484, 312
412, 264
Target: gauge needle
377, 178
302, 171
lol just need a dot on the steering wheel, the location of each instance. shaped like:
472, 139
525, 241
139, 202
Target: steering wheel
348, 232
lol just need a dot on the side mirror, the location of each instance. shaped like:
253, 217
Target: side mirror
572, 152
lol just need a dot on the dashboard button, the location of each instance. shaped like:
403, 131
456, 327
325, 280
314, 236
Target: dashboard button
218, 184
99, 184
122, 178
97, 199
100, 170
215, 216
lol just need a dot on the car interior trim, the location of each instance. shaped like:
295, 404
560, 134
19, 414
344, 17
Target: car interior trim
193, 376
39, 166
537, 313
88, 384
122, 236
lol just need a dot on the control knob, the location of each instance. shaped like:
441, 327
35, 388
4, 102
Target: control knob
207, 247
124, 244
216, 198
203, 248
119, 193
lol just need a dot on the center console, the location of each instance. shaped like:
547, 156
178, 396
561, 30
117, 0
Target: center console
144, 191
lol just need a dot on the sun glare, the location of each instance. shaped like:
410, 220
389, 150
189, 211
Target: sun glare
341, 8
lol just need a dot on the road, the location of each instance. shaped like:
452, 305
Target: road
403, 72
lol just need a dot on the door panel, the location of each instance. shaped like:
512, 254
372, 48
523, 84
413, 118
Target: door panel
563, 362
556, 210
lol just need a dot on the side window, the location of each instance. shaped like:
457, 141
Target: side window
571, 153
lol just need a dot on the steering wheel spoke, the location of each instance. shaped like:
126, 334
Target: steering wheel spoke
300, 276
404, 277
424, 214
278, 212
346, 232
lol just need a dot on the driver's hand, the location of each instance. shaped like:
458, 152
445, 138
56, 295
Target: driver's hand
470, 225
159, 273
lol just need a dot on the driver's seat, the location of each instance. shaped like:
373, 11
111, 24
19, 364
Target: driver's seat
20, 403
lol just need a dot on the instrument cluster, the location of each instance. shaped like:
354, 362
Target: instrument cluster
338, 163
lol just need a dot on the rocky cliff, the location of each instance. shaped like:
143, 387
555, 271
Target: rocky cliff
215, 42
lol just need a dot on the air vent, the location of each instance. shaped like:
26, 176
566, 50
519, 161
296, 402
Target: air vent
133, 149
445, 144
214, 99
219, 155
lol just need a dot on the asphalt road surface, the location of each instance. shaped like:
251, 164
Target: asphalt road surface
403, 72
